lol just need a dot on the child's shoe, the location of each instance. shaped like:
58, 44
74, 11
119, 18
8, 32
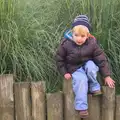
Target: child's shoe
84, 113
97, 92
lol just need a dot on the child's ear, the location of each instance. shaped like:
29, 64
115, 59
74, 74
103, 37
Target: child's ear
88, 34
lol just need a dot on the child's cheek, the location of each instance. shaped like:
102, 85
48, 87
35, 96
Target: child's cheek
74, 40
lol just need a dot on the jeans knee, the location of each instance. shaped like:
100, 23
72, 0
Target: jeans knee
79, 84
91, 67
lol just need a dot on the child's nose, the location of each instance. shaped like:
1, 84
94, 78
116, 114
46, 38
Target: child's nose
79, 38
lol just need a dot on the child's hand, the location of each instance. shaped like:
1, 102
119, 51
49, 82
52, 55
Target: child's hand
67, 76
110, 82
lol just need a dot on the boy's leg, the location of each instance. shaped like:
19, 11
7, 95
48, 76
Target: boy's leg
91, 70
80, 88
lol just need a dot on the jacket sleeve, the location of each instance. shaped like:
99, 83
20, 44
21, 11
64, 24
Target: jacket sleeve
101, 61
60, 59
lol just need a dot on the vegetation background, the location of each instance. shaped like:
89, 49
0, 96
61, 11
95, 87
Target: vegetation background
30, 32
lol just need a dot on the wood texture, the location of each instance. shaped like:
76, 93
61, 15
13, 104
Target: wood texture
55, 106
38, 100
6, 97
22, 101
117, 111
108, 103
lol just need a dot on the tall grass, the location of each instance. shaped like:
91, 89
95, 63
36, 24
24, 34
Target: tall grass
31, 31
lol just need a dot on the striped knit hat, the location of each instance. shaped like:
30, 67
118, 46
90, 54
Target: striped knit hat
81, 20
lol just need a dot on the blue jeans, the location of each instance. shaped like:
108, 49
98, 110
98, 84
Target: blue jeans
82, 79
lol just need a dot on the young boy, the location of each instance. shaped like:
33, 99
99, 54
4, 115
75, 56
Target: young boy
79, 57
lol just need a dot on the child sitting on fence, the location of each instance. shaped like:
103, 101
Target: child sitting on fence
79, 57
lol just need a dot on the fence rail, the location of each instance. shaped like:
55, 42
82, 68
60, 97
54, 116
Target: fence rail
29, 101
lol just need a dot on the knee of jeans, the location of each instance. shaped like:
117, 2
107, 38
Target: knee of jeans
91, 67
79, 82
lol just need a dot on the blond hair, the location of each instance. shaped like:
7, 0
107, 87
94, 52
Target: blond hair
80, 29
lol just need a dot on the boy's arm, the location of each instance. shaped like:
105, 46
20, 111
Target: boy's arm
60, 59
101, 60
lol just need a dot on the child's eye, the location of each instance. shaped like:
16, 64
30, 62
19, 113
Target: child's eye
82, 35
76, 35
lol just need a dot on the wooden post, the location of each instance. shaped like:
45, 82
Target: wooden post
117, 111
22, 101
69, 110
108, 103
55, 106
38, 100
94, 107
6, 97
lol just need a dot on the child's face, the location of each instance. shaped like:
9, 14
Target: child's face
78, 38
80, 35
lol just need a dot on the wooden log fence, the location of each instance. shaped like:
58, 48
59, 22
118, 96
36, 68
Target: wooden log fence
54, 106
38, 100
22, 101
29, 101
6, 97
